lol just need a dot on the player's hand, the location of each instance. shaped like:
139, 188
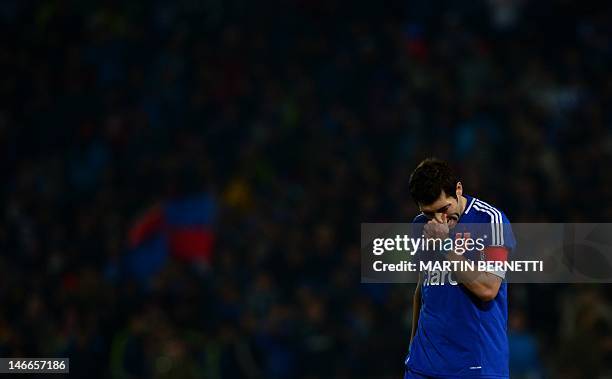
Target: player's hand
436, 229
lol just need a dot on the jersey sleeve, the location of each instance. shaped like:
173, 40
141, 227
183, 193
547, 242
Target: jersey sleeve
499, 241
417, 231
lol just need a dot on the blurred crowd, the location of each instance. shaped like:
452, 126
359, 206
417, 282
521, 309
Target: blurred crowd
303, 118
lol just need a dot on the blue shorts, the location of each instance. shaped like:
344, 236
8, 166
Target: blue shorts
413, 375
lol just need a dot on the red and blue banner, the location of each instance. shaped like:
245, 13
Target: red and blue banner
181, 228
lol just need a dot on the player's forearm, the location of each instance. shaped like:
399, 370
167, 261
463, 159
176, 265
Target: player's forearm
485, 286
482, 284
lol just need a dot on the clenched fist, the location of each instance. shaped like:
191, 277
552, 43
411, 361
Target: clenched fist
436, 229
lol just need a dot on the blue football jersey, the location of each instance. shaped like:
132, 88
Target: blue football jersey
458, 335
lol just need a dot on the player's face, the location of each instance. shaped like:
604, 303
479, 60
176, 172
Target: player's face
445, 206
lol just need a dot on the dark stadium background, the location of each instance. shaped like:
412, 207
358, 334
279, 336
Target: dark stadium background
286, 124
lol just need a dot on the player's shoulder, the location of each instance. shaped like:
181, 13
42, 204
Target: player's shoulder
420, 219
480, 211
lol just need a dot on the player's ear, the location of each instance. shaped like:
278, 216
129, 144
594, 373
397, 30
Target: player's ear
459, 190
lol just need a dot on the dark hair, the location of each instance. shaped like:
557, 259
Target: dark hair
429, 179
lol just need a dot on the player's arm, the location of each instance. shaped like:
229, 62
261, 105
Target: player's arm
484, 285
416, 308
